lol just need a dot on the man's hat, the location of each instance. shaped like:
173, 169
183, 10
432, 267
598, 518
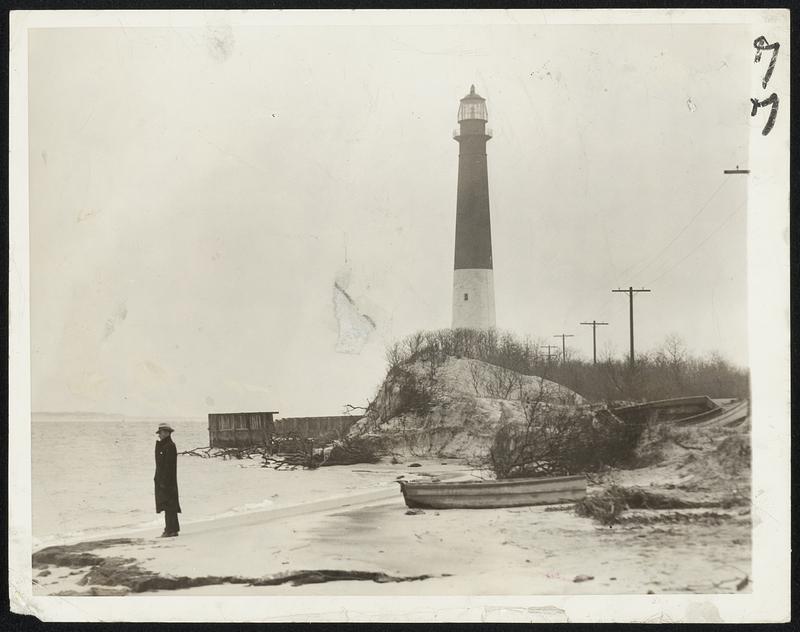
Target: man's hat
165, 427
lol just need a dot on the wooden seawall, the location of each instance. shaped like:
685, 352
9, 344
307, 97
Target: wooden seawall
239, 430
318, 428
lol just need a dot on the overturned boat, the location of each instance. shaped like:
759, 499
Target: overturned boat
513, 492
687, 411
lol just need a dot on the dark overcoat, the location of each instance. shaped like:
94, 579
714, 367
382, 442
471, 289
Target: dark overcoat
166, 478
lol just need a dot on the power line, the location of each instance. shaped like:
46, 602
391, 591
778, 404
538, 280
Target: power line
693, 250
682, 230
630, 291
563, 345
644, 265
594, 325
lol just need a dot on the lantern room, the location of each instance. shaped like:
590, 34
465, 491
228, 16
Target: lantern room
473, 107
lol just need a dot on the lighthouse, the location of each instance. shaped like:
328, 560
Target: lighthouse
473, 282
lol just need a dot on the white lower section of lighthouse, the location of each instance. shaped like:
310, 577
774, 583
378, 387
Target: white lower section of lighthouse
473, 299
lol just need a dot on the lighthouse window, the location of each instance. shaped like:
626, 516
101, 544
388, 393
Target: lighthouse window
466, 297
472, 110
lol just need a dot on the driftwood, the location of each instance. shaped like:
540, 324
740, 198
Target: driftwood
225, 453
292, 451
203, 453
290, 460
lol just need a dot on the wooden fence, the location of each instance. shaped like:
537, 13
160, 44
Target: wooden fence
241, 430
321, 429
227, 430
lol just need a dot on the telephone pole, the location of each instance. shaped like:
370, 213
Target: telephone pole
594, 325
630, 291
548, 347
563, 345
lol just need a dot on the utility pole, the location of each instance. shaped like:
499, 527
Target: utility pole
594, 325
630, 291
548, 347
563, 345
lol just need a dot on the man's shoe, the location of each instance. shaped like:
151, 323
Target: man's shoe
171, 534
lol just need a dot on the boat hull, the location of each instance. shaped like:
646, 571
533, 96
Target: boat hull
494, 494
686, 411
679, 409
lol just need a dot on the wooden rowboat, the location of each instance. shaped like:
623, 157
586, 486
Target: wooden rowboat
686, 411
514, 492
732, 414
676, 410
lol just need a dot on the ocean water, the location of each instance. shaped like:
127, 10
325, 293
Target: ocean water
93, 478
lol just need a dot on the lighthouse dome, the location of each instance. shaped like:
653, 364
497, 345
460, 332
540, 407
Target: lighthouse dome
473, 107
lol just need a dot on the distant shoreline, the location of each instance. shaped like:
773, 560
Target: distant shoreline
111, 418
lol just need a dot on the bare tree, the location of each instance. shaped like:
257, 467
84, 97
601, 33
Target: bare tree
501, 382
530, 449
350, 409
394, 355
476, 373
559, 439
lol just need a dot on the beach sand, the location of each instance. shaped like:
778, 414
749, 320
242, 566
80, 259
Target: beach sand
365, 542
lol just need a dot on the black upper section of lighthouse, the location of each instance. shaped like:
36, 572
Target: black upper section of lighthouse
473, 228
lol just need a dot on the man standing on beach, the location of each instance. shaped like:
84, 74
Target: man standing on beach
166, 480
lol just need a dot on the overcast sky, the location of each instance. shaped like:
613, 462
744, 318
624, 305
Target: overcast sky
196, 194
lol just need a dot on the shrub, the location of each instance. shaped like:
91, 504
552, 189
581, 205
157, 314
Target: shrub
669, 371
559, 440
353, 450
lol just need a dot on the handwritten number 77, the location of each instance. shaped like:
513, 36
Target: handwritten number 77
761, 44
